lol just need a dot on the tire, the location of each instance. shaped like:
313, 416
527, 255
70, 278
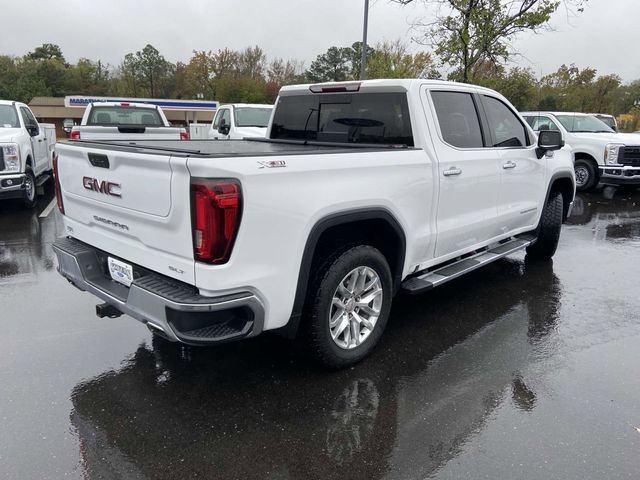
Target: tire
586, 175
549, 230
333, 291
30, 194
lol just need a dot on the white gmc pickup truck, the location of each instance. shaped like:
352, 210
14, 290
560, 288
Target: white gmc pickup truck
26, 152
360, 190
125, 121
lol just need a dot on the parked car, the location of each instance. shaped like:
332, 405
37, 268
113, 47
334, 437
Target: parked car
360, 190
26, 152
240, 120
125, 121
600, 154
610, 120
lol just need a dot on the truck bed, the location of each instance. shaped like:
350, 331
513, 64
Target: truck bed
231, 148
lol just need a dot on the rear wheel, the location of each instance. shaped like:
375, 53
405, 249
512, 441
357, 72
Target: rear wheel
549, 230
586, 174
347, 307
29, 196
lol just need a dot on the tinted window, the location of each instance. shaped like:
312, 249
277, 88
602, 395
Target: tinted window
253, 116
8, 117
378, 118
541, 123
458, 119
506, 128
28, 118
124, 116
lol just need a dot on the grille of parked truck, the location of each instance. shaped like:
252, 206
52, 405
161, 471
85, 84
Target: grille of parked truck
360, 190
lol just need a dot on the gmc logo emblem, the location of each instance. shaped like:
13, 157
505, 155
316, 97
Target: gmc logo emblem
108, 188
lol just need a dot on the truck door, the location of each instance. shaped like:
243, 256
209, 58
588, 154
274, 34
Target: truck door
523, 173
469, 173
38, 143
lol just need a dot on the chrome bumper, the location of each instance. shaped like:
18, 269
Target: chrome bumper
161, 303
619, 175
12, 184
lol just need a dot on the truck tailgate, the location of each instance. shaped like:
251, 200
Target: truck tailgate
91, 132
123, 203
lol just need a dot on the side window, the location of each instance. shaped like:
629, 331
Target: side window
458, 119
28, 118
225, 117
506, 128
543, 123
216, 120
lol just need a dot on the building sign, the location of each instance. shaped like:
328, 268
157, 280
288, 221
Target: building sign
80, 101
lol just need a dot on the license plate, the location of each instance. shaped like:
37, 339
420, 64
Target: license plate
121, 272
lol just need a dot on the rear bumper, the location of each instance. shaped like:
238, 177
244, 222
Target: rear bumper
620, 175
11, 186
175, 310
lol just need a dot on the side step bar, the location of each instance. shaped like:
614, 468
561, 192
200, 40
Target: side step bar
429, 280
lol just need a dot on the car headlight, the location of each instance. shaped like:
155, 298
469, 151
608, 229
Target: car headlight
612, 152
11, 158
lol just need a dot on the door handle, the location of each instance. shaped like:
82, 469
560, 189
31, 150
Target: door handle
39, 140
509, 165
452, 171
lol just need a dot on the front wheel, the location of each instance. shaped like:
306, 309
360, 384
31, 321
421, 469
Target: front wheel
586, 175
29, 196
549, 230
347, 307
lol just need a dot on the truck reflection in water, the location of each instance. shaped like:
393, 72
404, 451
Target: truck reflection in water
255, 410
612, 220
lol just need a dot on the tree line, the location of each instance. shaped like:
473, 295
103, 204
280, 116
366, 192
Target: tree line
250, 76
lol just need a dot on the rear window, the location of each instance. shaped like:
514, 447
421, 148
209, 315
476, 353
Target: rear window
374, 118
148, 117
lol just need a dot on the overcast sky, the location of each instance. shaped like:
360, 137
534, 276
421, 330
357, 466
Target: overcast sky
605, 36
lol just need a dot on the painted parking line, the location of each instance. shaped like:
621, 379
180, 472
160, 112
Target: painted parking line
49, 209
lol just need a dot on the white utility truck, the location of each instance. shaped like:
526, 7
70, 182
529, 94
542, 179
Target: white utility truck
125, 121
360, 190
240, 120
26, 152
600, 153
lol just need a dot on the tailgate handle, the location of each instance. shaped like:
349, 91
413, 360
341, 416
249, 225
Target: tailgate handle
99, 160
131, 129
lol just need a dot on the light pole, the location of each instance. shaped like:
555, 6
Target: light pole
363, 61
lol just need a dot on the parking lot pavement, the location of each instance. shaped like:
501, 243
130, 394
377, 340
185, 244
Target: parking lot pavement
520, 370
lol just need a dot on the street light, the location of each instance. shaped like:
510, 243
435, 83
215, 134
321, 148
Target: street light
363, 61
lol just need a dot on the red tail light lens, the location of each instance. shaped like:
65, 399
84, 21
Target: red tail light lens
184, 135
75, 135
56, 181
216, 207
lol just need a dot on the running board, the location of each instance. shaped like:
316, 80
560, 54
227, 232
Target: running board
40, 181
429, 280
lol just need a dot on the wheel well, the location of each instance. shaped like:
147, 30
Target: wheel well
28, 162
565, 187
586, 156
377, 228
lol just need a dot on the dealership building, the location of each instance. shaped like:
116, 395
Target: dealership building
179, 112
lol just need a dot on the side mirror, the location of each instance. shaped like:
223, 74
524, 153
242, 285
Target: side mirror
224, 129
66, 129
548, 141
33, 130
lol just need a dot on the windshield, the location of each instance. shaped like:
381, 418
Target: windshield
610, 121
253, 116
583, 124
8, 117
117, 115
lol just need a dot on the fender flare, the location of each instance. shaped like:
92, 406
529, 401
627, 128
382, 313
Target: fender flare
559, 176
321, 226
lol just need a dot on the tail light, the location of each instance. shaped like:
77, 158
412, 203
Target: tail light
184, 135
56, 181
216, 207
75, 134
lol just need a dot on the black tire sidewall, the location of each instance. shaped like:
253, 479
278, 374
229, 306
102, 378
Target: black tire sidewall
592, 175
30, 203
360, 256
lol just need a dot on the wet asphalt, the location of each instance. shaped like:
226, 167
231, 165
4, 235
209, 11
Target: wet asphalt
518, 371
